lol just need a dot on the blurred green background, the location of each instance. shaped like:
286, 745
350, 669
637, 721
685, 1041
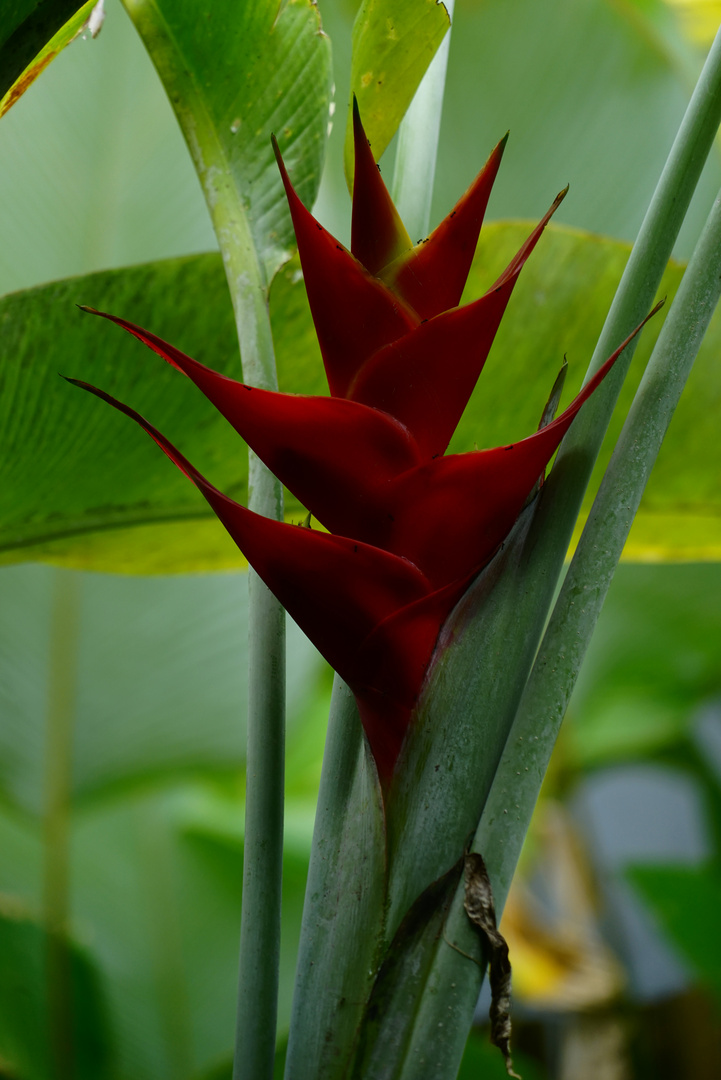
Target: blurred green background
122, 698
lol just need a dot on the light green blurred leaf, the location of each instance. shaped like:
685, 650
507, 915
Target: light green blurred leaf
592, 97
394, 41
156, 892
160, 676
95, 171
235, 74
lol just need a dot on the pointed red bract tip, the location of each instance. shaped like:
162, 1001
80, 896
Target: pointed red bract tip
431, 277
342, 593
354, 313
426, 379
335, 455
378, 236
519, 259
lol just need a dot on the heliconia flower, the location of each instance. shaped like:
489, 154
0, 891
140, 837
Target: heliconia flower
362, 475
409, 529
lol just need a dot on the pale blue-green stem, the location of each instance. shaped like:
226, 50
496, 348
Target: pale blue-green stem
417, 149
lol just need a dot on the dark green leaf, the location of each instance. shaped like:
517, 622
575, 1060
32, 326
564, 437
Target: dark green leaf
25, 1044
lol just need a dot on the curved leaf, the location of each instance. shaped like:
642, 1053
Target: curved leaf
31, 36
394, 41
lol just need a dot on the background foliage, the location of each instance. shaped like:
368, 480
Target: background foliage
141, 770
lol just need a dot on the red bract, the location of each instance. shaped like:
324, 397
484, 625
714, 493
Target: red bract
408, 528
389, 331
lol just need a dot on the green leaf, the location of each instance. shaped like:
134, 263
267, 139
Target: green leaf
558, 309
686, 901
73, 472
32, 34
654, 658
394, 41
215, 61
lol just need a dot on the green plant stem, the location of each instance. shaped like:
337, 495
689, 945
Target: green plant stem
417, 149
579, 604
62, 696
265, 756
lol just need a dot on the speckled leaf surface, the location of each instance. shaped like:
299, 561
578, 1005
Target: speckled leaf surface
234, 75
393, 43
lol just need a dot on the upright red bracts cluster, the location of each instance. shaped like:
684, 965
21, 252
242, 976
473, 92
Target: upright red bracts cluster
409, 528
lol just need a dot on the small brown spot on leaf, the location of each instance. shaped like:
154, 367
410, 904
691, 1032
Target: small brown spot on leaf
28, 76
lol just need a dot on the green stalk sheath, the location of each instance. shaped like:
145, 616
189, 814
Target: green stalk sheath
343, 902
62, 692
576, 611
417, 150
